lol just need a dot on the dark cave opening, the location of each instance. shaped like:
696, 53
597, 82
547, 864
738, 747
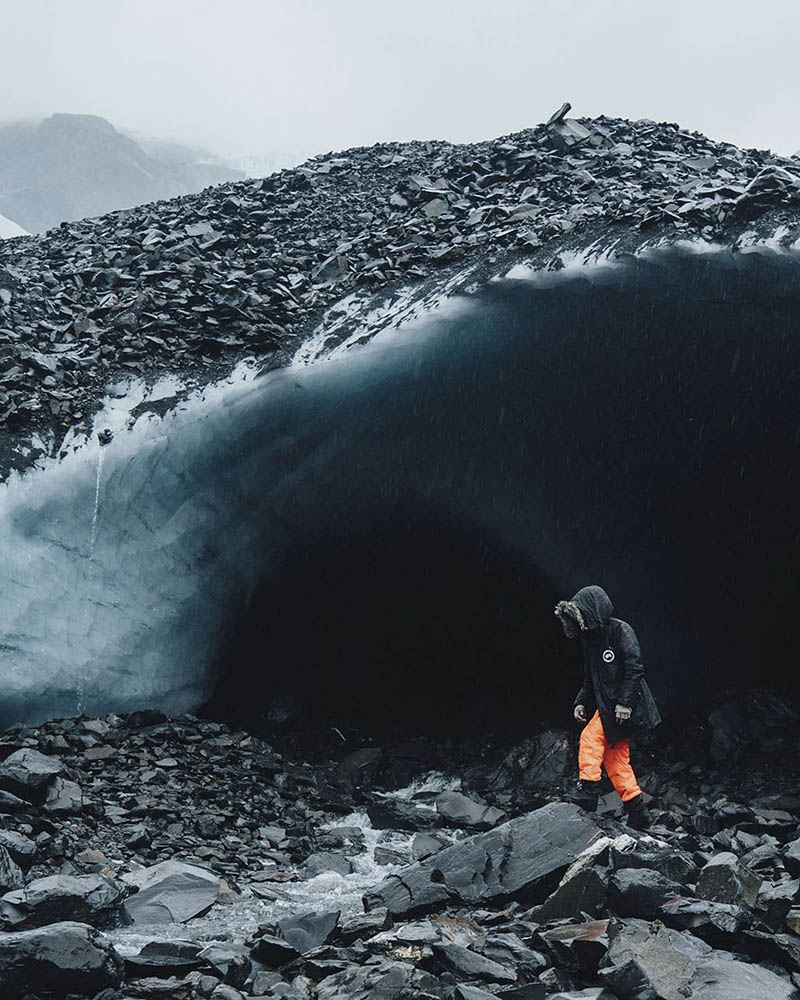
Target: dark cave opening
635, 428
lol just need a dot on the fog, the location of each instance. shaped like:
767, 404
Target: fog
262, 77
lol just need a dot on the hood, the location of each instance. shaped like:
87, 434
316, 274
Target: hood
594, 605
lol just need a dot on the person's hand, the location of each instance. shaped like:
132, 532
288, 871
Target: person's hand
623, 713
580, 713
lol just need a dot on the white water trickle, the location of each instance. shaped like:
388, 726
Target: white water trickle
96, 511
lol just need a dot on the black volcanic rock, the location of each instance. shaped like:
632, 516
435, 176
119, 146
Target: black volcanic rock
194, 284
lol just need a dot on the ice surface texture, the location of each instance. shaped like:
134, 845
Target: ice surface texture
631, 425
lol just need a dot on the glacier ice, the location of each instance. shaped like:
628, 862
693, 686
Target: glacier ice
579, 426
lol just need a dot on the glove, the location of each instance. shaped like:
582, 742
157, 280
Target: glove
622, 713
580, 713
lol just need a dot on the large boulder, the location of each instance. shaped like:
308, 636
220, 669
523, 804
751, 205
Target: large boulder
647, 961
170, 891
27, 772
89, 899
59, 959
522, 859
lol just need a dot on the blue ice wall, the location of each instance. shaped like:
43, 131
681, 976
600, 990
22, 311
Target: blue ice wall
633, 425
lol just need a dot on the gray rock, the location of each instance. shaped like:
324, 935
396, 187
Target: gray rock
791, 857
521, 859
170, 891
11, 876
384, 981
508, 949
63, 797
425, 844
27, 771
583, 944
466, 964
309, 930
63, 958
230, 961
585, 892
326, 861
675, 864
89, 899
640, 892
395, 814
649, 960
462, 811
725, 880
273, 951
364, 925
22, 849
716, 923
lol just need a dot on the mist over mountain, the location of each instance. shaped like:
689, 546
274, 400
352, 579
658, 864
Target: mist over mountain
69, 167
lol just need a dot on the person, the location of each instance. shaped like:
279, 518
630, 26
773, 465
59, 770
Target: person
613, 703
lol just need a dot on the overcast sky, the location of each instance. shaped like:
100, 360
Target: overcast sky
283, 76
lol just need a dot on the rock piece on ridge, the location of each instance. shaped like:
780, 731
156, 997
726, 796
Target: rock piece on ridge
65, 957
522, 859
462, 811
170, 891
22, 849
11, 876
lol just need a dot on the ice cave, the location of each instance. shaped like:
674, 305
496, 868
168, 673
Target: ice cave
382, 530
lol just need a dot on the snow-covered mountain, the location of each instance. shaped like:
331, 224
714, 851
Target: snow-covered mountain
69, 167
9, 229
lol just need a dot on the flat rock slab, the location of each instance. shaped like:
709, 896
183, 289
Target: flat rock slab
462, 811
170, 892
89, 899
62, 958
522, 859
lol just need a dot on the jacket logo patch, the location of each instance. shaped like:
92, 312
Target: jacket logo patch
608, 656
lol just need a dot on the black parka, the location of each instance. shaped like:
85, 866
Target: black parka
612, 668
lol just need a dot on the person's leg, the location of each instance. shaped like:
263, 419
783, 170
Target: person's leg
617, 761
591, 750
590, 760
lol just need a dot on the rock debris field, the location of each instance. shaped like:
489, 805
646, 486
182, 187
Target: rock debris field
246, 269
142, 857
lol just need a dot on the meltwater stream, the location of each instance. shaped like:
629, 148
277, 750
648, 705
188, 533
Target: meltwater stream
325, 892
386, 530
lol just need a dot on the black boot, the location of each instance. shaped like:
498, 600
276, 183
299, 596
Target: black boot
585, 795
638, 816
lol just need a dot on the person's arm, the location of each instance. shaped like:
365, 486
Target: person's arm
632, 659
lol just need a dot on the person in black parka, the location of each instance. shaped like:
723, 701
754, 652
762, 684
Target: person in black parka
614, 701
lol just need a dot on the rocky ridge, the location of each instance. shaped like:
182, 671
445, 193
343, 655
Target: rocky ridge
161, 827
247, 269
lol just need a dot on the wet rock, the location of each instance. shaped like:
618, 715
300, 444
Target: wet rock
170, 891
274, 952
229, 961
326, 861
11, 875
716, 923
89, 899
640, 892
364, 925
62, 958
309, 930
164, 959
395, 814
27, 772
585, 892
63, 797
425, 844
387, 980
583, 944
520, 859
462, 811
725, 880
509, 950
466, 964
654, 961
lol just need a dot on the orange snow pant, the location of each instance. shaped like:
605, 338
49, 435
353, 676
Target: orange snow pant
595, 752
